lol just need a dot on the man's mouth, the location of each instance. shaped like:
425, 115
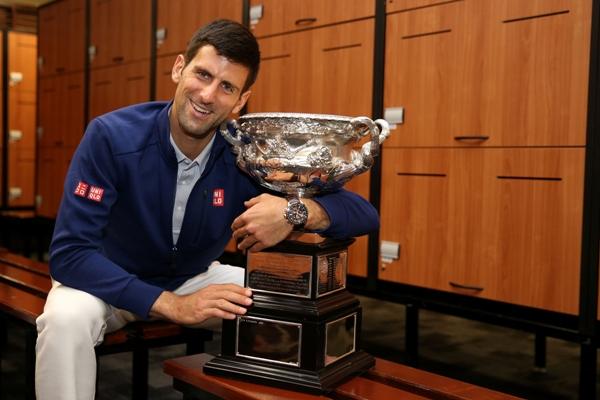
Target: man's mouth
200, 109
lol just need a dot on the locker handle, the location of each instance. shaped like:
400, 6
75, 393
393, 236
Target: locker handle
118, 59
479, 138
305, 21
468, 287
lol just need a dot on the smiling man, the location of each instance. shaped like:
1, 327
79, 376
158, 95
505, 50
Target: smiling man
150, 200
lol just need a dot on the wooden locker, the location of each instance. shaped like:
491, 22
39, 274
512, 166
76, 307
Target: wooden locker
327, 71
61, 37
165, 87
52, 166
177, 20
284, 16
501, 224
119, 86
487, 73
22, 56
48, 25
539, 70
119, 31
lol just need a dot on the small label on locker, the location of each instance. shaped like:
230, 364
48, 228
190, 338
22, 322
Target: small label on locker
15, 192
256, 13
161, 35
15, 135
15, 77
394, 115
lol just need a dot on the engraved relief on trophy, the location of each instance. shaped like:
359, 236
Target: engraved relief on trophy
303, 154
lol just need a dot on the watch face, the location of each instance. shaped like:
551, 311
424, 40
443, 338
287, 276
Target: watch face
296, 213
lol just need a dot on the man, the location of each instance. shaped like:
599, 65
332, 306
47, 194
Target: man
151, 198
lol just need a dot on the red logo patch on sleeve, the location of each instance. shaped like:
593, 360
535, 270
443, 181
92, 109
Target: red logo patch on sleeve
218, 198
95, 193
81, 189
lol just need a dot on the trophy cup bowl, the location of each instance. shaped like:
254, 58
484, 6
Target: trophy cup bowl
304, 154
303, 329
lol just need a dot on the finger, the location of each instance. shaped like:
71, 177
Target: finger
253, 201
240, 234
258, 246
237, 223
247, 242
228, 306
220, 289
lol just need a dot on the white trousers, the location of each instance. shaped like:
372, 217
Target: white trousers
74, 322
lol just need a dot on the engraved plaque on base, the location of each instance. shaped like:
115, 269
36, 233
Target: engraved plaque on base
303, 329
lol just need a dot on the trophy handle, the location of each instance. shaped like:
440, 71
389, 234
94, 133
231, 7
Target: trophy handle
235, 141
380, 130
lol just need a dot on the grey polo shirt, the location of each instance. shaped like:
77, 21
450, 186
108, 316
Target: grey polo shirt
188, 173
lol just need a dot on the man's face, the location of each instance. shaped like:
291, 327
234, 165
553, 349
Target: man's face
209, 89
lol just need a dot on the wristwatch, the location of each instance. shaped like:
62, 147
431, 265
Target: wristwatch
296, 213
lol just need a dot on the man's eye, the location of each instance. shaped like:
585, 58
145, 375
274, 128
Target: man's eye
204, 75
228, 89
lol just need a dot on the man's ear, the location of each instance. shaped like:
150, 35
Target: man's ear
241, 102
177, 68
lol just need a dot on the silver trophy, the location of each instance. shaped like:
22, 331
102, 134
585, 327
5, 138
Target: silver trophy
303, 329
304, 154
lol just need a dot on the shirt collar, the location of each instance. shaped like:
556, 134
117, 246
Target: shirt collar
201, 158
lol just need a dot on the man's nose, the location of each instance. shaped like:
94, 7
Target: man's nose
209, 92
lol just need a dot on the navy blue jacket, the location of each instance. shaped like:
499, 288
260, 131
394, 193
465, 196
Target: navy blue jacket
113, 234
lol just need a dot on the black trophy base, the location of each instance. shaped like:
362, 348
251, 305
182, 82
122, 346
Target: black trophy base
324, 380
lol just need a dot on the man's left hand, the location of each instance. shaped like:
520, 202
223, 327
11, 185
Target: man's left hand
262, 225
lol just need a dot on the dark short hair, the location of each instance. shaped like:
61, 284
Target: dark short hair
231, 40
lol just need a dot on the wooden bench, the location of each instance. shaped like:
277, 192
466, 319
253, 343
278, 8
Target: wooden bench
24, 285
387, 380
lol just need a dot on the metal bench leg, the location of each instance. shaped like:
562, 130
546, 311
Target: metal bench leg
587, 370
194, 343
139, 376
412, 334
30, 339
540, 352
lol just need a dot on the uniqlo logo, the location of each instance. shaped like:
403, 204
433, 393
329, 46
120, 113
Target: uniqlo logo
95, 193
218, 198
81, 189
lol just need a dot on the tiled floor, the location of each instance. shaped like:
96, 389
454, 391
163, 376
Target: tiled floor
490, 356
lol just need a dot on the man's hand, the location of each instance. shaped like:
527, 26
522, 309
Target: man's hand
263, 225
214, 301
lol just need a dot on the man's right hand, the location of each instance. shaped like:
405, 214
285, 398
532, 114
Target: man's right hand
214, 301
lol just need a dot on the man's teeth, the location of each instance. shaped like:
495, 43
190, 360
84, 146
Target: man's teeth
200, 109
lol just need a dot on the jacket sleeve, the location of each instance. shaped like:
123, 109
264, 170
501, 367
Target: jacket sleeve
76, 257
350, 214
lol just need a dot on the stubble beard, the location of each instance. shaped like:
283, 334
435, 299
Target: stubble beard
194, 130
